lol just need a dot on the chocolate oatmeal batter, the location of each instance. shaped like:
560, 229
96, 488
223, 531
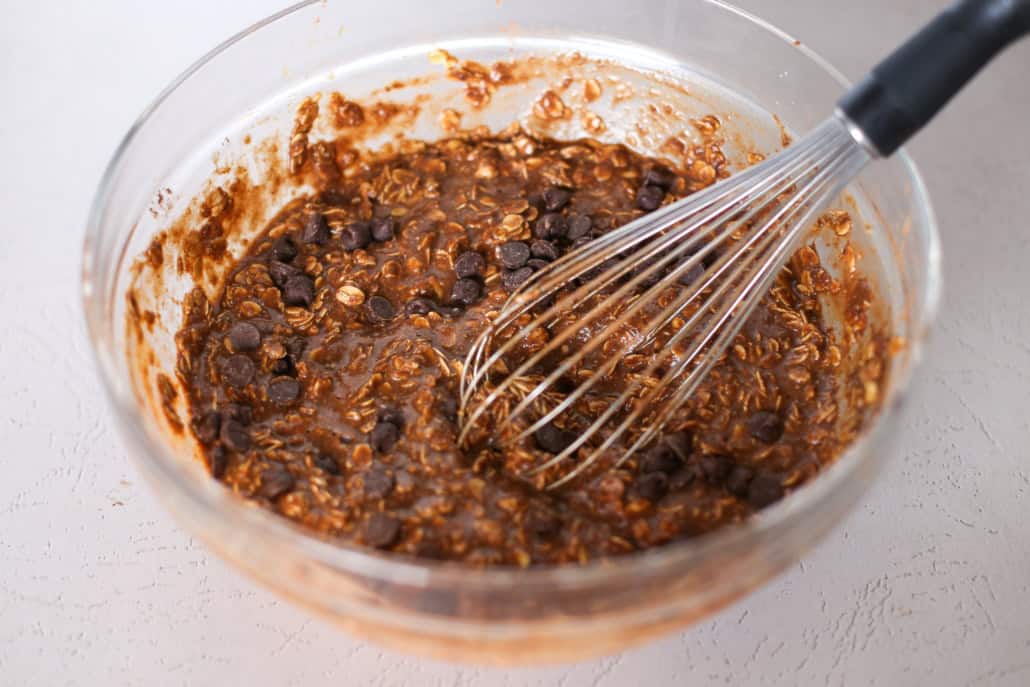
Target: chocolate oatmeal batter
323, 381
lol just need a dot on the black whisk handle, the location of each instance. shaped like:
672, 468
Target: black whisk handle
908, 88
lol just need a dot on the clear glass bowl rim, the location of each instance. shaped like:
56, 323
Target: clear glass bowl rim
215, 502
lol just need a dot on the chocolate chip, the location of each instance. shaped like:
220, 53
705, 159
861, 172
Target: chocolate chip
598, 270
244, 336
234, 436
378, 483
283, 249
316, 229
238, 370
555, 198
552, 439
679, 443
380, 309
650, 197
217, 461
447, 406
469, 264
419, 306
513, 279
384, 435
283, 390
564, 385
647, 282
383, 229
715, 469
536, 264
581, 241
660, 177
692, 275
280, 272
550, 226
275, 481
466, 292
765, 426
652, 486
299, 291
544, 250
543, 523
382, 530
764, 490
326, 463
513, 254
579, 227
738, 480
284, 366
661, 458
205, 427
356, 235
391, 415
237, 411
683, 477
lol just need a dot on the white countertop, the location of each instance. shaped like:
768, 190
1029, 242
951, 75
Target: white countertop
926, 583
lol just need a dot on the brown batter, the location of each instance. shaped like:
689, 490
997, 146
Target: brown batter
323, 382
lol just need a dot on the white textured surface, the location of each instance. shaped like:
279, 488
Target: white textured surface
925, 584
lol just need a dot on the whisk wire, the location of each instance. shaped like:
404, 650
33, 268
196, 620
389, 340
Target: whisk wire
733, 315
617, 242
729, 318
761, 213
671, 246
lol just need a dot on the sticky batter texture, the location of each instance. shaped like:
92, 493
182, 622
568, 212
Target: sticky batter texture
323, 379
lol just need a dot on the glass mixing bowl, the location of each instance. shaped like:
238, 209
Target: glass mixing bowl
496, 615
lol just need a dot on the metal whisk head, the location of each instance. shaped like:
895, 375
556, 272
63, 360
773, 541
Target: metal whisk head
668, 291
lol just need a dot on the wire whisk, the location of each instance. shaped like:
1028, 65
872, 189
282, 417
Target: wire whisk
727, 243
679, 283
